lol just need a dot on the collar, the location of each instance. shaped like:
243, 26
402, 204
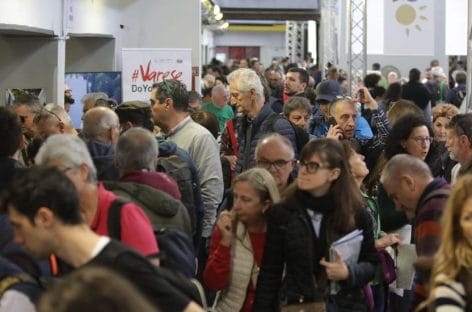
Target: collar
179, 126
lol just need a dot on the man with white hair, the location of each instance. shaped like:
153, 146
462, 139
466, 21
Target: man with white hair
101, 130
96, 99
247, 93
70, 155
53, 119
219, 106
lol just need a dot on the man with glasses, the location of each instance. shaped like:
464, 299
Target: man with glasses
53, 119
344, 112
328, 91
26, 106
275, 153
459, 144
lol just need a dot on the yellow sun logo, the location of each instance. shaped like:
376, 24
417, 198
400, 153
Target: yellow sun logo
408, 16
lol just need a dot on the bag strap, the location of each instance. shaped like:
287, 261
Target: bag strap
114, 218
9, 281
232, 136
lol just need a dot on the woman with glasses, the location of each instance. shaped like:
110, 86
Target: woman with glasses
411, 134
238, 241
321, 206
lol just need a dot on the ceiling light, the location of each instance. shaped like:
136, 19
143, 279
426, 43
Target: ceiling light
216, 9
219, 16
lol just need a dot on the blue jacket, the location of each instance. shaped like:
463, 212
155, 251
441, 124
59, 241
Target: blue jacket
251, 131
103, 155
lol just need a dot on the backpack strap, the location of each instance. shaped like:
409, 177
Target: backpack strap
439, 193
9, 281
114, 218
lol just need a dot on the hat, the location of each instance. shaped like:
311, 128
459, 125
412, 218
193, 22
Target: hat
135, 112
328, 90
133, 105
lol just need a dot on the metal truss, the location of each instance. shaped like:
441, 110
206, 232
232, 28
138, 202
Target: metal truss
357, 41
295, 40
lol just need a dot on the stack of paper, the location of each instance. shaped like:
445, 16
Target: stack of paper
348, 246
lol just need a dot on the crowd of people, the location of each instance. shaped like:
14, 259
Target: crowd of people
269, 190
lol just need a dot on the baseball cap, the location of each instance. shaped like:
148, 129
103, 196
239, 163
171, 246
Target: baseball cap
328, 90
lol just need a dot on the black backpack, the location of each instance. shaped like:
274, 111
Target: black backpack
301, 136
176, 248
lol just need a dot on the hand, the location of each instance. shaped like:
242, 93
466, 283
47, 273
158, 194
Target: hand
334, 132
387, 240
232, 161
225, 224
337, 270
366, 99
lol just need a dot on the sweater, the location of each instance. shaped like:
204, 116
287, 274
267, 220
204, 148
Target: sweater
427, 229
203, 148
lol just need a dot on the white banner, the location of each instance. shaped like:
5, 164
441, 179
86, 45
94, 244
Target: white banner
144, 67
409, 27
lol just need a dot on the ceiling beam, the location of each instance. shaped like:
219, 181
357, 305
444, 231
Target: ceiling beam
270, 14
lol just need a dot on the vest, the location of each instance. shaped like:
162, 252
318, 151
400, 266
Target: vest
243, 269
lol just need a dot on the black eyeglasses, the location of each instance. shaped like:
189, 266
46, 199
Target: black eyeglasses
278, 164
311, 167
421, 140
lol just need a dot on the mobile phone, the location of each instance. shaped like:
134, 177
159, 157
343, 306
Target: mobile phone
332, 121
360, 96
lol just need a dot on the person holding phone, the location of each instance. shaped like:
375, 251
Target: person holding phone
238, 241
344, 112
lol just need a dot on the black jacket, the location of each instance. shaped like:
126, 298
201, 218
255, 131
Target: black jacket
291, 244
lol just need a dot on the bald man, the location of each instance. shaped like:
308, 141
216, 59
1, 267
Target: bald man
101, 129
410, 184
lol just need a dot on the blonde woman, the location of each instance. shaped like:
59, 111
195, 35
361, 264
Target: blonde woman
238, 241
451, 281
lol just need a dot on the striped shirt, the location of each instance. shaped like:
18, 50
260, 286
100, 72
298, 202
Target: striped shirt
449, 295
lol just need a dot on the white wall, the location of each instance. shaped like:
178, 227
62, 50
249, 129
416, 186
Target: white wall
32, 13
163, 24
272, 44
98, 29
375, 39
